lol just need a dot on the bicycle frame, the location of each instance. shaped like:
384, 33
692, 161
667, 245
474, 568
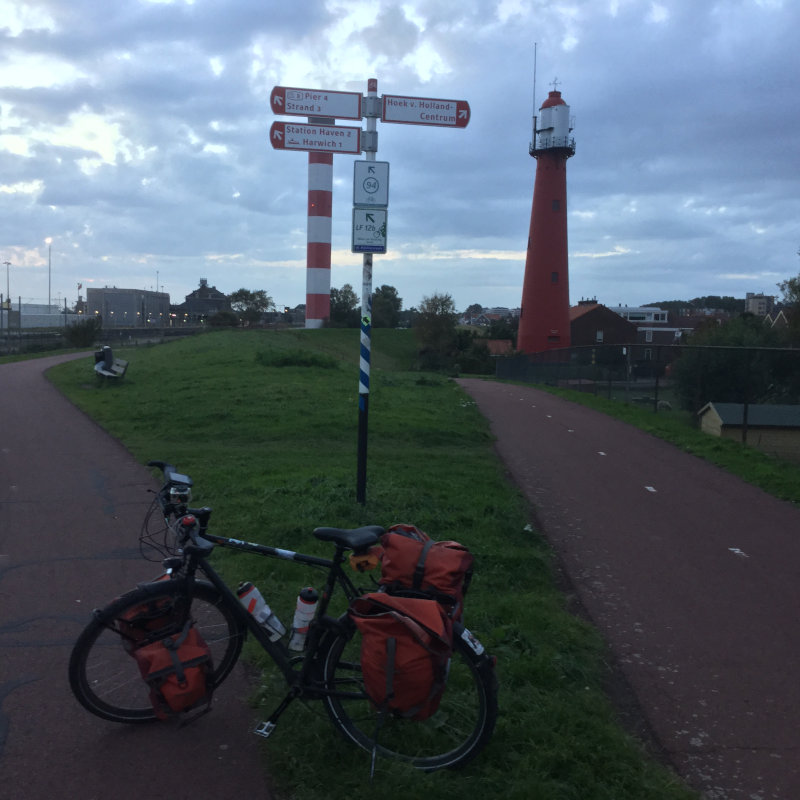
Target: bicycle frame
285, 659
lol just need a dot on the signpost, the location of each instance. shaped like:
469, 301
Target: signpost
316, 103
320, 138
425, 111
370, 183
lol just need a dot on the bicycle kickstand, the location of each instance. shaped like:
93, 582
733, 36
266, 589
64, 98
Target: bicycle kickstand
266, 728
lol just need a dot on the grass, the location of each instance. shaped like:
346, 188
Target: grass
269, 436
775, 476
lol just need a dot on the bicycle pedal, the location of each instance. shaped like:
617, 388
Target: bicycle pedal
265, 729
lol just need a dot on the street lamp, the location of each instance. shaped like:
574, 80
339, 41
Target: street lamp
8, 295
48, 242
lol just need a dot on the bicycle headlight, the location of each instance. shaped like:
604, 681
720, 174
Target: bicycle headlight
180, 495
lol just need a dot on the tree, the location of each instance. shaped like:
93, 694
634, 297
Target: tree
505, 328
724, 365
386, 307
435, 327
223, 319
790, 289
251, 306
345, 311
475, 310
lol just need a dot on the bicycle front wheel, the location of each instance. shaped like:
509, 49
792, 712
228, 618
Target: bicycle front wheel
105, 678
460, 728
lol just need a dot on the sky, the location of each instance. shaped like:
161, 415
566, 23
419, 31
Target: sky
135, 152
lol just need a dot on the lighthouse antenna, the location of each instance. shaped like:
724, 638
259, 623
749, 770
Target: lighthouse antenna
533, 140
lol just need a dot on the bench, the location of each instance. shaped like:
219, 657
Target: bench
118, 369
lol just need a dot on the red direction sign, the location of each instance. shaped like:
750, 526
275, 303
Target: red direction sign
321, 138
425, 111
315, 103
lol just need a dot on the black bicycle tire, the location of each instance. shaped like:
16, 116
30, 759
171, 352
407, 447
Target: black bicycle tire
86, 683
481, 670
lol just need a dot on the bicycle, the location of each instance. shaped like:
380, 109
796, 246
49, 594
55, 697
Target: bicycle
107, 682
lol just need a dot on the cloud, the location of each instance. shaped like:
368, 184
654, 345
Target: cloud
137, 140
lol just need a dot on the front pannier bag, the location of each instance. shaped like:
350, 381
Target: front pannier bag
405, 652
177, 669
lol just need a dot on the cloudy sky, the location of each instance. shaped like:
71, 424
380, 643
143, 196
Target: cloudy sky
134, 137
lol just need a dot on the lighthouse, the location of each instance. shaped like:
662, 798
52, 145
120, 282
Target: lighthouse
544, 316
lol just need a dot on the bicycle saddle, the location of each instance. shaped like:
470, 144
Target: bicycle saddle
352, 538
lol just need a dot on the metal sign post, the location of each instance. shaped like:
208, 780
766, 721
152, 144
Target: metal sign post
370, 184
366, 308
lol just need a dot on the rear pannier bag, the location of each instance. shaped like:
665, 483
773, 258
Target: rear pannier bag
414, 562
406, 644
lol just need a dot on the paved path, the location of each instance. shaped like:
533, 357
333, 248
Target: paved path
692, 575
71, 503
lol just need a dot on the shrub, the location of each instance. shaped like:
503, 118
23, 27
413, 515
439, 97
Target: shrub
83, 333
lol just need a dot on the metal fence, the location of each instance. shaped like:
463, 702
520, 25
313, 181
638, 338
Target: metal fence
665, 377
37, 340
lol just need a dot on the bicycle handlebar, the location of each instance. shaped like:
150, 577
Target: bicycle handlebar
171, 475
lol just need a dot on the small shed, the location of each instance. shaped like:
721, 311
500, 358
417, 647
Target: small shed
773, 429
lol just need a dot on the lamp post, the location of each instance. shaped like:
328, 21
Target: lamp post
49, 242
8, 297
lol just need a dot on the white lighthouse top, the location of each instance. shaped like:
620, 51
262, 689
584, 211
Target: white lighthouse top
553, 127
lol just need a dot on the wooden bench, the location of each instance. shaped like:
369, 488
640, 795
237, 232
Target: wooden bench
118, 369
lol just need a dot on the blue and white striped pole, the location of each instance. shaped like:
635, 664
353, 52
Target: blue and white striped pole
366, 323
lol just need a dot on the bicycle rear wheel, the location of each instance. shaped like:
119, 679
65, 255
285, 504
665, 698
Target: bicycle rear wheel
105, 678
460, 728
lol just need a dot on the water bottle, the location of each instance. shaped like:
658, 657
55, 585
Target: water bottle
303, 614
251, 599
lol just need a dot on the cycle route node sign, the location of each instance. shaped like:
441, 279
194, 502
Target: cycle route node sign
371, 183
369, 230
425, 111
315, 103
319, 138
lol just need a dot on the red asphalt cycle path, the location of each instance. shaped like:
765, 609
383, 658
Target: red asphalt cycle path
72, 500
692, 576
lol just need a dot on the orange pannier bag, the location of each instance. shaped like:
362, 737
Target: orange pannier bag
414, 564
406, 644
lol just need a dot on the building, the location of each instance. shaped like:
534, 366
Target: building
128, 308
653, 324
203, 302
544, 322
758, 304
593, 324
642, 314
773, 429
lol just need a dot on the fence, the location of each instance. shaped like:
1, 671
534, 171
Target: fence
666, 377
36, 340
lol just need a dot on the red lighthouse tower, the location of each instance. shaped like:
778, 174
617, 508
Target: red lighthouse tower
544, 318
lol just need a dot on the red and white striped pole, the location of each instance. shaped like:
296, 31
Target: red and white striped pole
318, 252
